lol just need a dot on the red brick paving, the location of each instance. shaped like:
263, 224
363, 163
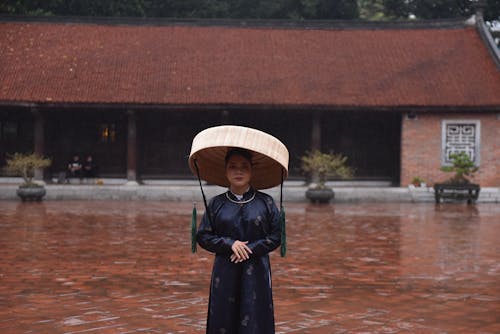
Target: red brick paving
126, 267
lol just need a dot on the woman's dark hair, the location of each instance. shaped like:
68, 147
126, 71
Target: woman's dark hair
238, 151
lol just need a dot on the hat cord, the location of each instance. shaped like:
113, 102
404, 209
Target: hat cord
194, 213
282, 217
201, 187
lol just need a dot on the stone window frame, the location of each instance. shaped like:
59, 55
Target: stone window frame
477, 143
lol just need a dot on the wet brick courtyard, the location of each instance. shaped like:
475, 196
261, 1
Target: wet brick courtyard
126, 267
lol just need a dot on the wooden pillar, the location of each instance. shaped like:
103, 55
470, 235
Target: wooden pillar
132, 148
316, 131
39, 140
315, 139
225, 119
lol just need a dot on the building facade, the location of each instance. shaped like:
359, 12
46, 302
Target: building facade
396, 99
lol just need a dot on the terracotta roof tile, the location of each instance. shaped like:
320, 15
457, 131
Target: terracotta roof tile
139, 64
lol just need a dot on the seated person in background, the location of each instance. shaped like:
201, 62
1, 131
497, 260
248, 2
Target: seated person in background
75, 167
89, 167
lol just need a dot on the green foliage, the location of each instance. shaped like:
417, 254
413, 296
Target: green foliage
432, 9
462, 166
253, 9
186, 8
492, 11
307, 8
396, 8
437, 9
74, 7
103, 8
325, 166
248, 9
258, 9
347, 9
372, 10
417, 181
24, 165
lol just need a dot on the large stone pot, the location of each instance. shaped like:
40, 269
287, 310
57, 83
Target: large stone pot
320, 195
31, 193
457, 191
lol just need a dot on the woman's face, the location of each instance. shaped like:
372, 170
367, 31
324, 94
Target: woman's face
238, 172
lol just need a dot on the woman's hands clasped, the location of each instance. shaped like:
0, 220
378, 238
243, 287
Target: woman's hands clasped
241, 251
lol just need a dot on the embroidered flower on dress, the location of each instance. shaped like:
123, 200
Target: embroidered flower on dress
258, 220
217, 281
250, 270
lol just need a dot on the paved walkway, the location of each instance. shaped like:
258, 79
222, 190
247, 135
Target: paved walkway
125, 267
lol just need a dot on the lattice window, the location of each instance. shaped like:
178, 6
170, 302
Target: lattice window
460, 136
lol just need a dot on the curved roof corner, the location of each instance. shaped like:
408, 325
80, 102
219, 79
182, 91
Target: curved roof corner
485, 34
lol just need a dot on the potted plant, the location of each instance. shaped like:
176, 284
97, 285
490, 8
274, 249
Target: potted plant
459, 186
320, 167
462, 166
417, 181
24, 165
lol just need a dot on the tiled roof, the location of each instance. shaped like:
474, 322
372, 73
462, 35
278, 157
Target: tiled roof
212, 65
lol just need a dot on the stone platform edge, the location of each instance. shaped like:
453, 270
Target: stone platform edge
191, 192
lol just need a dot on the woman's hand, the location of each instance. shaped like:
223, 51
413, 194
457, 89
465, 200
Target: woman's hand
241, 251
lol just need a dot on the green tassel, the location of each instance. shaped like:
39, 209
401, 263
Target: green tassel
193, 229
283, 231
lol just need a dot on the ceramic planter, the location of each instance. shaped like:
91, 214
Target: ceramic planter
320, 195
31, 193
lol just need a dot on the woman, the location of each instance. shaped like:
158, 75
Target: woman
241, 226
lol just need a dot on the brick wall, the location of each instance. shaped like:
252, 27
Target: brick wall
421, 148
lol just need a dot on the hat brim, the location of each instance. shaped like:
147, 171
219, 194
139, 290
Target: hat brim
269, 155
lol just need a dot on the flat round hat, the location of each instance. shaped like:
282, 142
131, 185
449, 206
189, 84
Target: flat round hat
269, 155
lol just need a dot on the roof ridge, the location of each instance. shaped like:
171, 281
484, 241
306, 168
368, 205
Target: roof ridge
245, 23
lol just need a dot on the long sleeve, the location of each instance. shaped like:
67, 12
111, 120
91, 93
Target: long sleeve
207, 235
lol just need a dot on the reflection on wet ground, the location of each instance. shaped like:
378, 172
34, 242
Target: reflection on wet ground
126, 267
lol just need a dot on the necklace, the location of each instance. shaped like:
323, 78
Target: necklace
240, 202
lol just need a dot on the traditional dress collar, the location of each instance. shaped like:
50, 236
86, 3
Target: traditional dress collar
247, 196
